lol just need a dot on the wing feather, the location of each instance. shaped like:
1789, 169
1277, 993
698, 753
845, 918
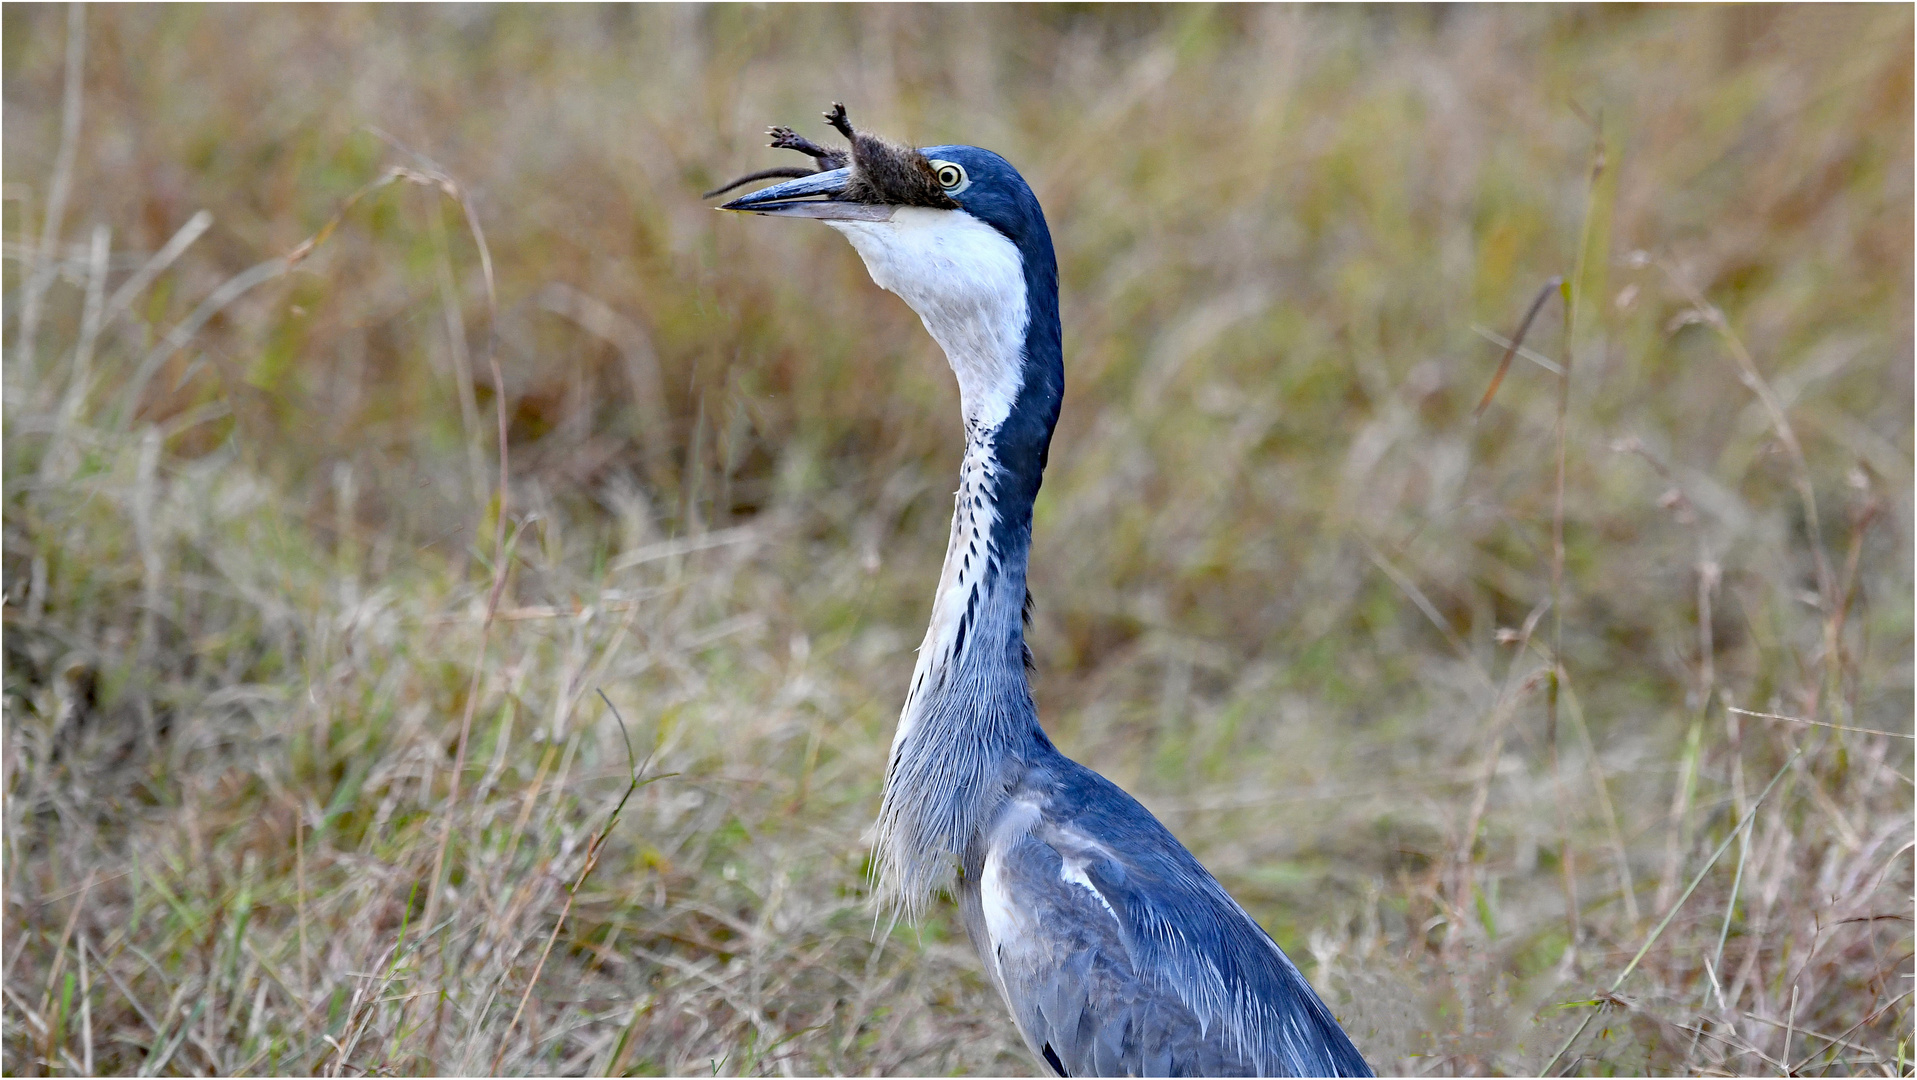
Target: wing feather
1120, 955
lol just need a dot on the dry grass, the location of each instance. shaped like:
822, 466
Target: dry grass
1289, 592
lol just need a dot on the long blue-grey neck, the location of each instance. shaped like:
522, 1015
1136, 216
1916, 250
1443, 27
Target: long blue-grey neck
969, 723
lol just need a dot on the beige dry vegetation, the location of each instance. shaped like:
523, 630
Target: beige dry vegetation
280, 798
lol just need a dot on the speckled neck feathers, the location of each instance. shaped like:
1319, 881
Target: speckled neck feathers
969, 724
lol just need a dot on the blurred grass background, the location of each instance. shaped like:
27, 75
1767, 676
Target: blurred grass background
1289, 592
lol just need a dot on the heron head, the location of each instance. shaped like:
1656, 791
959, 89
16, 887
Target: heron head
952, 230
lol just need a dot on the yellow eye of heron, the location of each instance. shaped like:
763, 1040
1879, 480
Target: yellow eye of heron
951, 176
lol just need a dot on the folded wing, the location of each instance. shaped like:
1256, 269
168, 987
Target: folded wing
1120, 955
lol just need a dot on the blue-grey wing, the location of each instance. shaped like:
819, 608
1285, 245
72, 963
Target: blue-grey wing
1119, 955
1058, 954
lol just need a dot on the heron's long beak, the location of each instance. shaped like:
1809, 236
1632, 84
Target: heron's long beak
815, 196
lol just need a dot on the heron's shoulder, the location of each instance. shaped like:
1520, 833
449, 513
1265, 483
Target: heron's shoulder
1077, 806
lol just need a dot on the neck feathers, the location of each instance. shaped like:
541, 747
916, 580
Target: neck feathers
988, 294
969, 723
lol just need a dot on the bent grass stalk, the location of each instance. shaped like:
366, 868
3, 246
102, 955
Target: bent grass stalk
1569, 293
1823, 724
585, 871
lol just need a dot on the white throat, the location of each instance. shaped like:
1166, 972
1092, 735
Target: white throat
967, 283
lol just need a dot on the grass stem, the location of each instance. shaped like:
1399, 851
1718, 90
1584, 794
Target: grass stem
1658, 931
